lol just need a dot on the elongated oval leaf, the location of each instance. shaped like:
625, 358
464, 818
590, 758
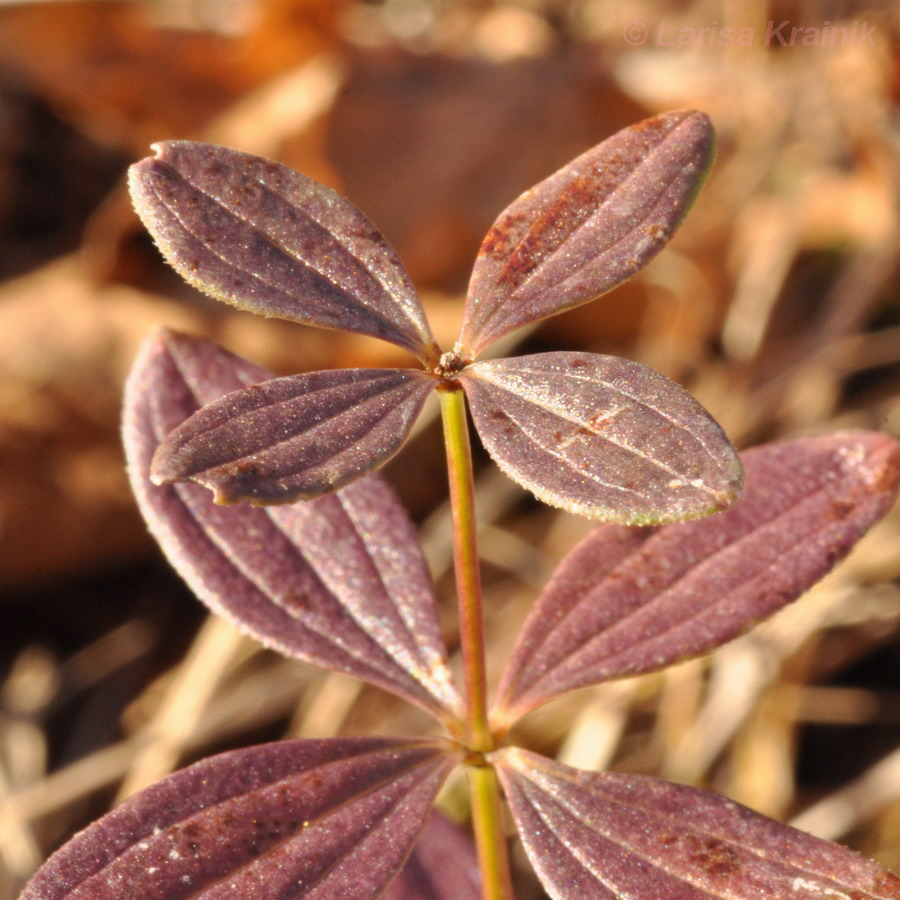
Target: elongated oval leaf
262, 237
296, 437
602, 436
587, 228
313, 819
625, 602
339, 581
607, 836
443, 866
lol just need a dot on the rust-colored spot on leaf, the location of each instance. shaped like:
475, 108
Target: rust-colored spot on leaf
313, 780
717, 858
651, 125
550, 228
840, 509
495, 241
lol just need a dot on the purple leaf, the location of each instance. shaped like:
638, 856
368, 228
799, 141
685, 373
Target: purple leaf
339, 581
257, 235
443, 866
296, 437
602, 436
587, 228
625, 602
315, 819
605, 835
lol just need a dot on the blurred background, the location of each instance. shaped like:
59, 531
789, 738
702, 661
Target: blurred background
777, 305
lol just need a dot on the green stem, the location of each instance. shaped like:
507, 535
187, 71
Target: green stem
493, 856
468, 572
490, 840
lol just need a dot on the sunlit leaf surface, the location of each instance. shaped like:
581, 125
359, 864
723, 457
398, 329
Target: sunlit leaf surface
587, 228
338, 581
443, 866
258, 235
627, 601
602, 436
313, 819
296, 437
610, 836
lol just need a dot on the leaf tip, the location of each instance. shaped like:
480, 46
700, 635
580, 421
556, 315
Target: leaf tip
700, 497
689, 134
158, 479
732, 485
884, 456
141, 177
694, 128
167, 466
